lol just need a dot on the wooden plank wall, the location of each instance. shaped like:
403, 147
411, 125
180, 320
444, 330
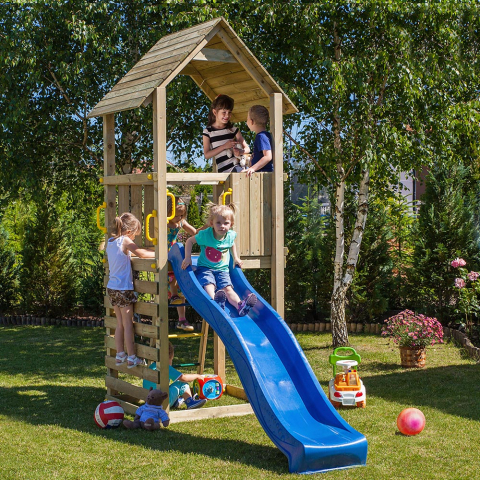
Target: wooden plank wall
253, 224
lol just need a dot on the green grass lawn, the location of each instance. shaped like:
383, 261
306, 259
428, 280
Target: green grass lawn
52, 378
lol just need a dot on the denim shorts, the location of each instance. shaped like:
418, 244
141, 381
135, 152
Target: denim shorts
218, 278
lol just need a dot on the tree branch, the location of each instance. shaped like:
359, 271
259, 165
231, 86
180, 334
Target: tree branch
309, 156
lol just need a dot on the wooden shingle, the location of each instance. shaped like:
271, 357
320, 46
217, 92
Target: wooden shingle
212, 55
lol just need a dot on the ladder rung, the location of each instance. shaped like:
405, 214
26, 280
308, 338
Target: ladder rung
186, 365
185, 335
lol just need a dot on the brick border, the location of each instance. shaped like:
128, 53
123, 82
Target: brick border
33, 320
463, 340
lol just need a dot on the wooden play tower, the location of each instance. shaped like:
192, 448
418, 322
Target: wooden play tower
219, 63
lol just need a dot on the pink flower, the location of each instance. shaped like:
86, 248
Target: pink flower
458, 262
472, 276
459, 282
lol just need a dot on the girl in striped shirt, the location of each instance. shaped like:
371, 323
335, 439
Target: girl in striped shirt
221, 139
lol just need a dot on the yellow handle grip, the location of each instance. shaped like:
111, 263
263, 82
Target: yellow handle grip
172, 196
103, 229
147, 227
225, 194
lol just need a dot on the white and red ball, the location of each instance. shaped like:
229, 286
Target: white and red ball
411, 421
109, 414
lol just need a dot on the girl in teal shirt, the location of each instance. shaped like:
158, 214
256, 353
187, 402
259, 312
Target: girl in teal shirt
212, 271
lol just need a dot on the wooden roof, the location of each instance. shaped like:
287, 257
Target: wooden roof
213, 56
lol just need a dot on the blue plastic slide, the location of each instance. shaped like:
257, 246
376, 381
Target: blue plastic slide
278, 380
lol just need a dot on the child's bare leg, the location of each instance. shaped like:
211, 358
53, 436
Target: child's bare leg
181, 312
232, 297
174, 287
119, 332
127, 318
210, 289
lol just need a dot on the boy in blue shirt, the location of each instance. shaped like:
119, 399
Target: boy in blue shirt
179, 391
262, 159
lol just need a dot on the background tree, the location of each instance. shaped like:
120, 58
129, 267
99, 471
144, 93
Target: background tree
447, 228
382, 87
373, 288
193, 214
8, 272
374, 89
47, 275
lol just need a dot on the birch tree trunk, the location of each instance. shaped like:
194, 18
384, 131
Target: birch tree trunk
337, 312
342, 281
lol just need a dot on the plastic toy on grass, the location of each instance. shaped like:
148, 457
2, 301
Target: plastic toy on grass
346, 388
109, 414
210, 387
411, 421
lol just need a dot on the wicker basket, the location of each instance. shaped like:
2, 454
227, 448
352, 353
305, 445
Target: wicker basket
413, 357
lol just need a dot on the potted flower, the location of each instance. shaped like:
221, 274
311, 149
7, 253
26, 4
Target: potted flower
413, 333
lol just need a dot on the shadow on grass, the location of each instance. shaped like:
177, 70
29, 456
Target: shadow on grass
451, 389
51, 352
73, 408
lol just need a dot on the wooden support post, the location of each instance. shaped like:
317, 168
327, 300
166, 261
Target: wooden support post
278, 261
161, 251
219, 357
203, 348
110, 198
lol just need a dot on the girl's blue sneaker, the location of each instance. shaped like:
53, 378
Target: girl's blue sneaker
245, 305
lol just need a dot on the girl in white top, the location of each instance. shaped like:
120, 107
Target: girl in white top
221, 139
120, 284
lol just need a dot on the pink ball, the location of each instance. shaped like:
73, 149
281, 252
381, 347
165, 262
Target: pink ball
411, 421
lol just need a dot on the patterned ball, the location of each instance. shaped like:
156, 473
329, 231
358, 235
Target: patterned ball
411, 421
109, 414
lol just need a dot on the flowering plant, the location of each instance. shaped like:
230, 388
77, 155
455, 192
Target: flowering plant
411, 330
468, 288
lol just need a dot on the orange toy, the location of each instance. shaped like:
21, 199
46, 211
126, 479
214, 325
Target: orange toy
346, 388
210, 387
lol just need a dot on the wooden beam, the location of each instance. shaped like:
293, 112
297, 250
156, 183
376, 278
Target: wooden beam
110, 198
197, 178
143, 351
177, 416
190, 56
197, 77
202, 349
256, 262
236, 392
215, 55
242, 58
172, 179
142, 329
125, 387
218, 357
161, 252
130, 179
127, 405
150, 309
144, 264
147, 373
278, 262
